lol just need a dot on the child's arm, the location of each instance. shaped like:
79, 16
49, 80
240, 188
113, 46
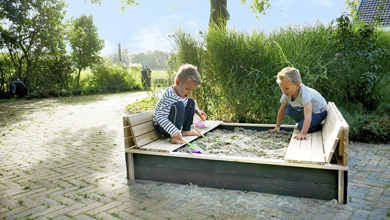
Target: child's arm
307, 111
279, 119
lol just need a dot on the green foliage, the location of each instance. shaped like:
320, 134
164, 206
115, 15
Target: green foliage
238, 68
364, 65
85, 43
143, 105
112, 78
348, 64
33, 31
368, 127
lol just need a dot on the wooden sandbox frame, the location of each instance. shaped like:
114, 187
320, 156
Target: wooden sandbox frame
314, 168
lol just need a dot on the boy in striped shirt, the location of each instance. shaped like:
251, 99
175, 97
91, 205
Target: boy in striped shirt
175, 110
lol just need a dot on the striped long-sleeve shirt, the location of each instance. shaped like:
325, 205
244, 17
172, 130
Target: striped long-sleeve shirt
163, 107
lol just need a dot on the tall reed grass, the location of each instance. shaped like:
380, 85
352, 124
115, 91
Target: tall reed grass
238, 68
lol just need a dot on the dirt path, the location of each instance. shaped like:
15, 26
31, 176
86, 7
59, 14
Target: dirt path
62, 158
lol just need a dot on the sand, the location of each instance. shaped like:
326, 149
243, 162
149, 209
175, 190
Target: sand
243, 143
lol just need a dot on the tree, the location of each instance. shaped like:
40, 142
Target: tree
352, 5
30, 23
85, 43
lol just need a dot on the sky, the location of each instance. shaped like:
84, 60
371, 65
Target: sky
146, 27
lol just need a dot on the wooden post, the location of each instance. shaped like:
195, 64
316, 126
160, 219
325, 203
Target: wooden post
341, 187
130, 166
119, 53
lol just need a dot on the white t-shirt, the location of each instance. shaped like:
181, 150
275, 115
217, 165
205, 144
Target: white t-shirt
306, 95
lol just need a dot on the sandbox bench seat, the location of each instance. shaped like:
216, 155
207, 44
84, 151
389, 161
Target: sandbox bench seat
313, 168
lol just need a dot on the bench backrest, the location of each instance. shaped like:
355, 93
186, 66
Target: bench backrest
335, 132
139, 129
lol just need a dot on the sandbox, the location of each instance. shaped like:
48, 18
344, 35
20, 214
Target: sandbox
150, 157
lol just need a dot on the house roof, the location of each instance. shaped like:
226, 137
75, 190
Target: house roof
369, 9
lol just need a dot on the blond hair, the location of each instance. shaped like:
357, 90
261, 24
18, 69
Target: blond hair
289, 73
188, 72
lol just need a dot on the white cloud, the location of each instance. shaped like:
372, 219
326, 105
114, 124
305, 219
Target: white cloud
155, 36
148, 38
108, 48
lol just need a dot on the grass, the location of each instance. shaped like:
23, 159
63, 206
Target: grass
143, 105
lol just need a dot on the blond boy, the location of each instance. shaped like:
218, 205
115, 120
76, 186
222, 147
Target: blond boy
175, 110
303, 104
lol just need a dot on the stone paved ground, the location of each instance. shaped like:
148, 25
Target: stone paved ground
63, 159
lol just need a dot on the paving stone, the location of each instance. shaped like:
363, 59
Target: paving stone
378, 214
49, 202
190, 214
62, 217
373, 176
387, 191
41, 218
375, 192
360, 214
361, 176
342, 214
169, 214
362, 163
103, 215
175, 204
146, 215
27, 212
46, 211
360, 205
83, 216
11, 203
360, 193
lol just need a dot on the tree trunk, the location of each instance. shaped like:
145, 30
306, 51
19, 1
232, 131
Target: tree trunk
78, 78
219, 14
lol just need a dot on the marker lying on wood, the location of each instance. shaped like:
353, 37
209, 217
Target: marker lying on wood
193, 146
194, 152
199, 132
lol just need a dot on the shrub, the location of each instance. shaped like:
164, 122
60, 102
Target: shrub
113, 78
364, 67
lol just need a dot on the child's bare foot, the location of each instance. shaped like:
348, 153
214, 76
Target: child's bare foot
190, 133
175, 141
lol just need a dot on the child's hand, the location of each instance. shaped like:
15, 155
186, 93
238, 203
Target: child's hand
301, 136
276, 129
176, 138
202, 115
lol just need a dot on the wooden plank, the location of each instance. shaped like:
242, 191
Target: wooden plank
293, 181
293, 149
317, 149
341, 183
130, 166
331, 132
163, 145
129, 142
304, 154
245, 183
146, 138
240, 169
344, 138
126, 121
143, 128
239, 159
140, 118
126, 132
